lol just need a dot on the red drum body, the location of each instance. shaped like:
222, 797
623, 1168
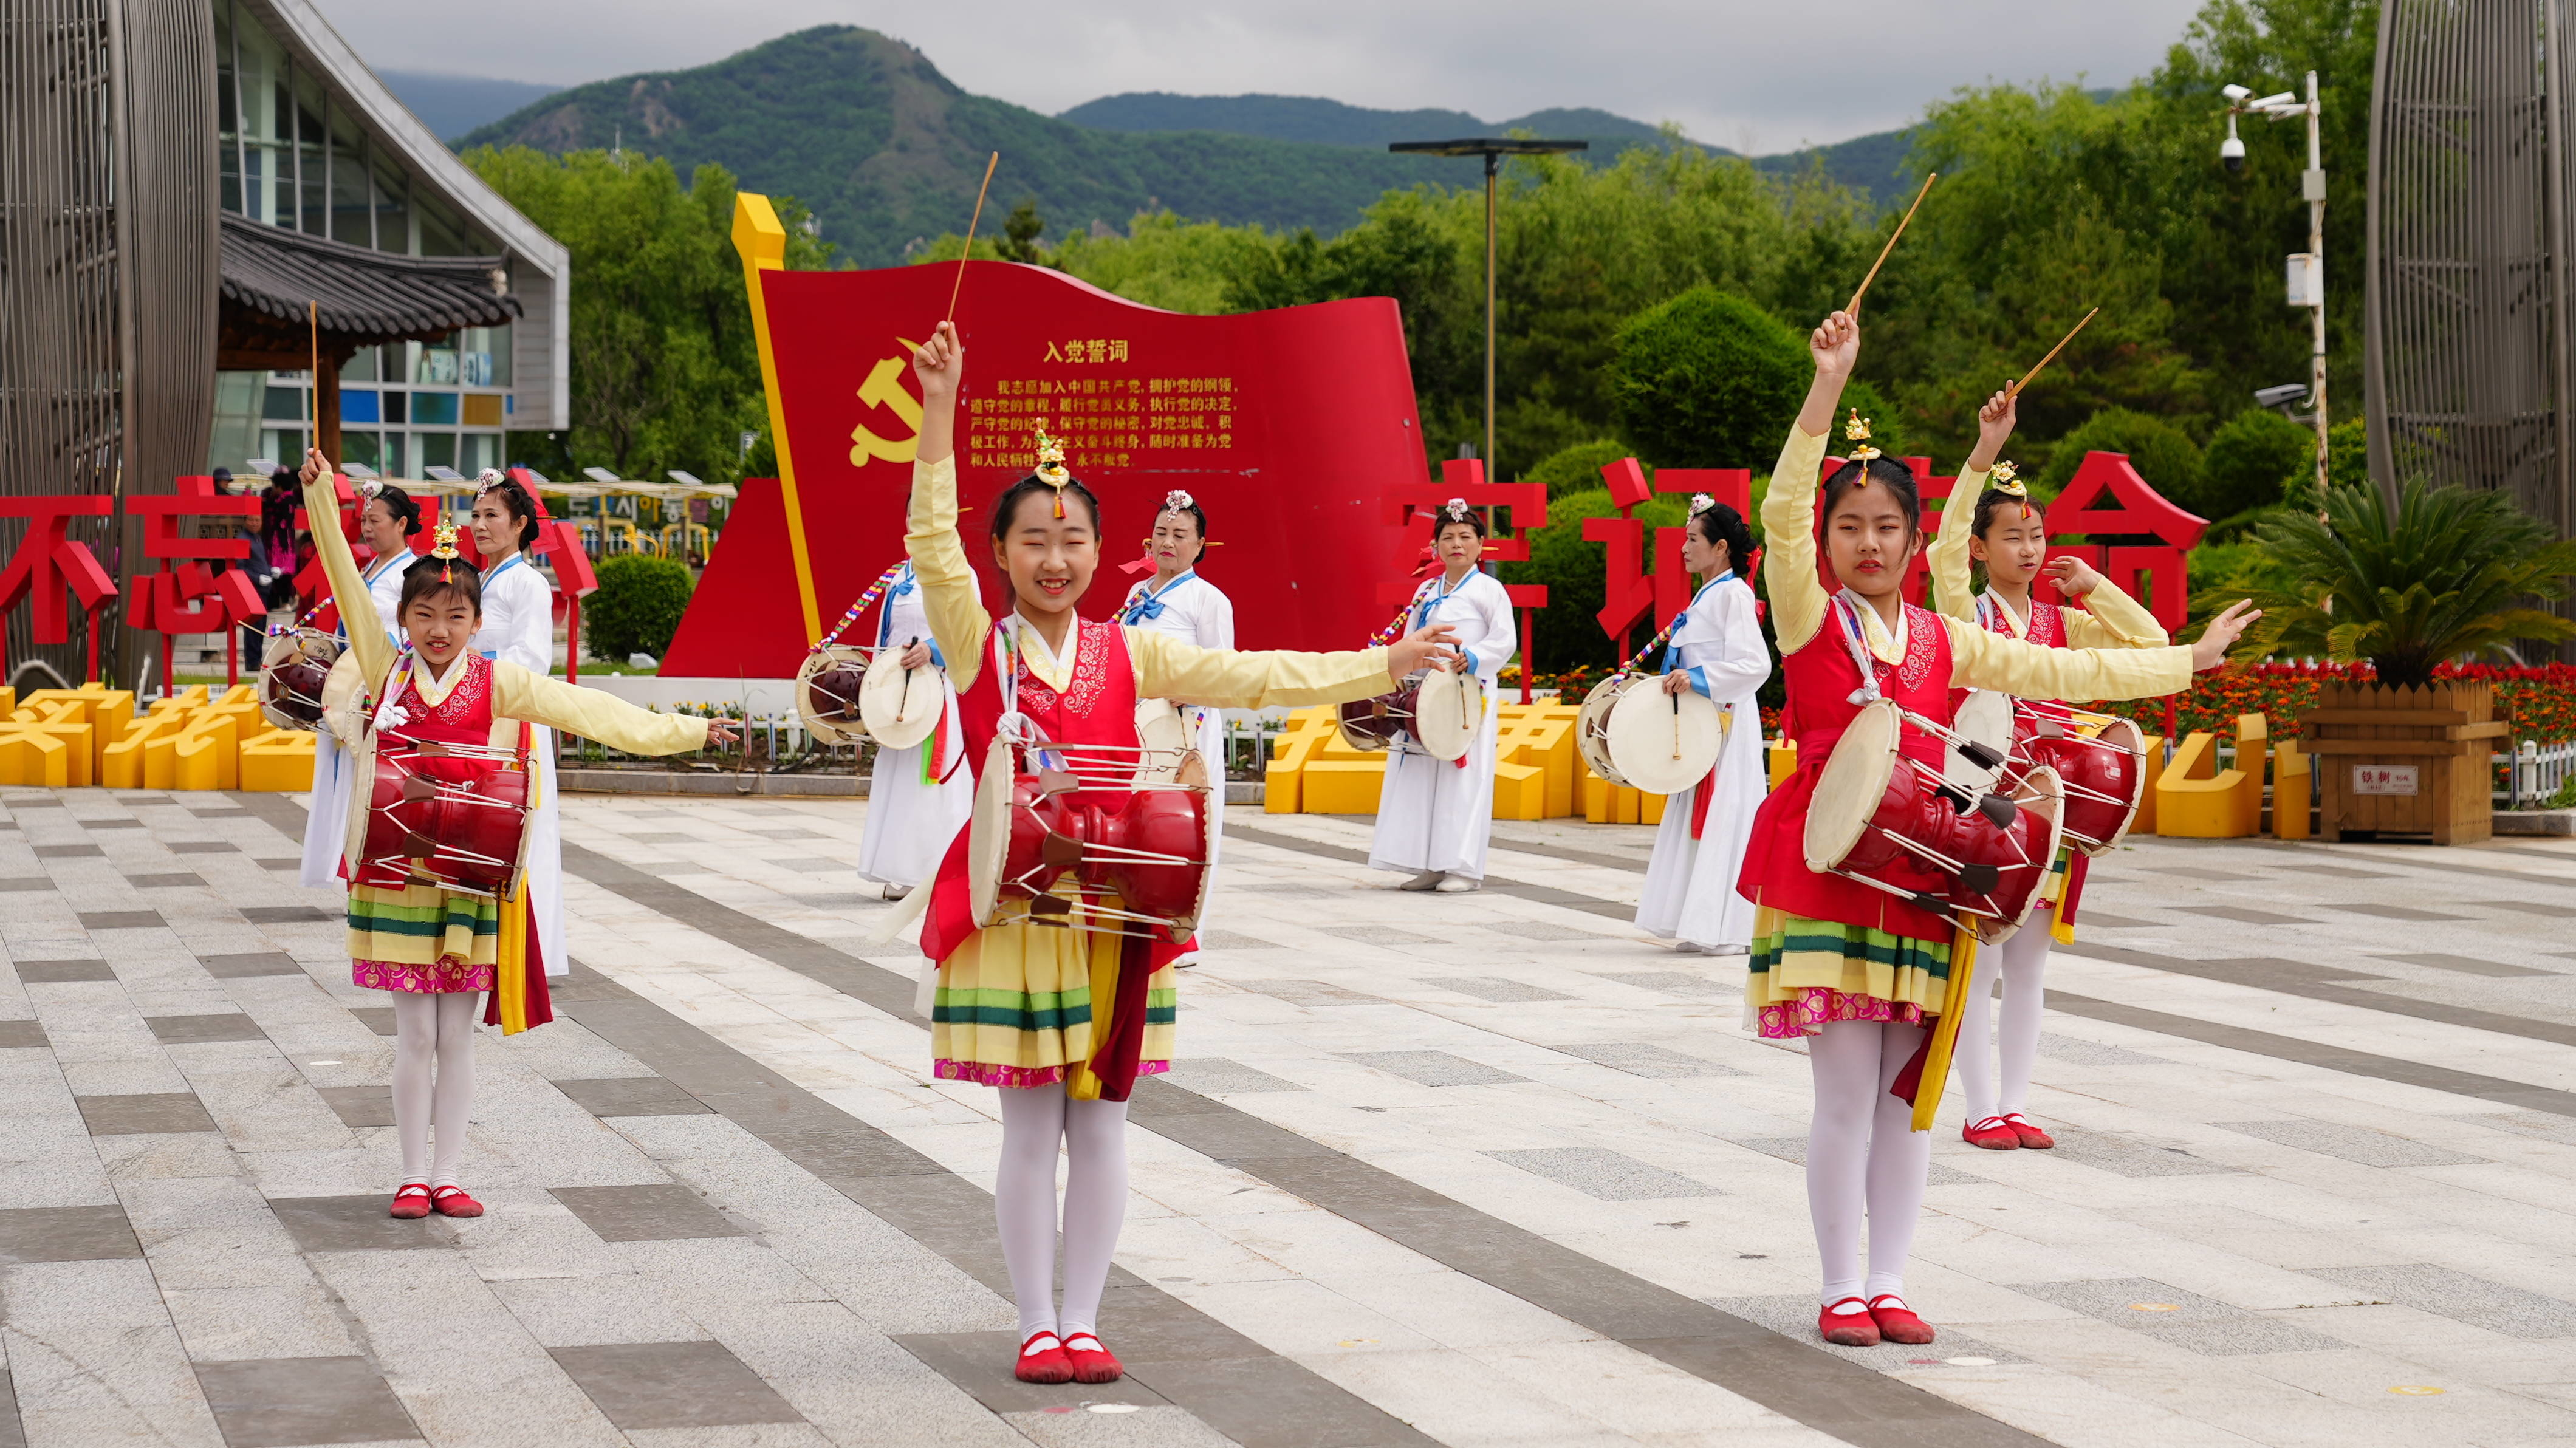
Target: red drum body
1032, 834
445, 815
2101, 760
1371, 724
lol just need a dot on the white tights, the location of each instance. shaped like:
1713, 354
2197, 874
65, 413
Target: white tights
1094, 1134
1863, 1156
2021, 961
427, 1026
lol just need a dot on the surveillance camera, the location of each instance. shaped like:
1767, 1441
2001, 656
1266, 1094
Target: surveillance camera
2285, 393
2235, 94
2231, 154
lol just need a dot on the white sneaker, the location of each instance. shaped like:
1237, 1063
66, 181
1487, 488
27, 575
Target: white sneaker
1689, 947
894, 892
1428, 879
1186, 961
1458, 884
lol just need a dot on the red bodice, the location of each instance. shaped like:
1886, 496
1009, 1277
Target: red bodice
463, 717
1821, 676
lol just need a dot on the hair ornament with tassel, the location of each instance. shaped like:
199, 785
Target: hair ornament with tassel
1455, 510
1178, 501
1050, 470
1857, 431
492, 478
1701, 503
445, 552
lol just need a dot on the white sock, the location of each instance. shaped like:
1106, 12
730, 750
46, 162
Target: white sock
1975, 1056
453, 1097
1024, 1199
1095, 1206
1864, 1160
415, 1045
2025, 962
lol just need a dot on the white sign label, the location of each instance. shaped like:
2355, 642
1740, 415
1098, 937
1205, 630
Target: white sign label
2383, 778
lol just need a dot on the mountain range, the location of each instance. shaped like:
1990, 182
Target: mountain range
887, 151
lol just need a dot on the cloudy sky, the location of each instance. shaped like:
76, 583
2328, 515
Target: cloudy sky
1762, 77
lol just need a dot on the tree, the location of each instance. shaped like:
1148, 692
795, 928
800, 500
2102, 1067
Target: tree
1578, 468
2168, 460
1707, 380
1566, 634
2255, 461
1021, 232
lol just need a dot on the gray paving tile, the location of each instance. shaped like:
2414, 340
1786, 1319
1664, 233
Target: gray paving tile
170, 881
2196, 872
1383, 935
2093, 919
379, 1019
2357, 1144
250, 963
1547, 930
1139, 1427
632, 1096
2527, 907
1214, 1075
2077, 1051
2339, 871
284, 1402
66, 1234
787, 832
2466, 966
2243, 916
289, 914
1232, 940
1674, 982
359, 1105
665, 837
1794, 1149
2184, 1319
1494, 988
197, 1030
2547, 1126
144, 1114
220, 813
112, 824
1308, 993
2390, 912
120, 919
2105, 1151
1794, 1317
654, 1212
289, 862
201, 847
357, 1224
1604, 1174
63, 972
811, 865
980, 1364
26, 882
21, 1034
1432, 1068
1270, 1402
2509, 1311
646, 1385
1640, 1058
34, 801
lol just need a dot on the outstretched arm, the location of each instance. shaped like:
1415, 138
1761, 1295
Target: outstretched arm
958, 623
523, 693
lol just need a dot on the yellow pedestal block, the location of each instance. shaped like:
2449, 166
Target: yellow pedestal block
190, 740
107, 711
2195, 799
280, 761
2291, 781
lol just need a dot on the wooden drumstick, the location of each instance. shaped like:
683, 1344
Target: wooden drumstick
313, 394
1853, 306
2014, 390
1677, 726
971, 223
903, 701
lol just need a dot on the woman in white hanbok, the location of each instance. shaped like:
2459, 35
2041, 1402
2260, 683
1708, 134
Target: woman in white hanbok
386, 522
1178, 602
1716, 650
1434, 816
918, 798
519, 628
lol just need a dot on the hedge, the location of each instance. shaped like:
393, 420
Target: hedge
637, 607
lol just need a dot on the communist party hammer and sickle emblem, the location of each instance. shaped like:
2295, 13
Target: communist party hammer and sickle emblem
884, 388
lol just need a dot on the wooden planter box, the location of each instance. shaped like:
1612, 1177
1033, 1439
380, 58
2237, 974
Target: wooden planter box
2404, 761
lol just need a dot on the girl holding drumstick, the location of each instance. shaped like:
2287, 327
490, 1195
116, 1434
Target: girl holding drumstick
1856, 971
2005, 533
1063, 1021
433, 949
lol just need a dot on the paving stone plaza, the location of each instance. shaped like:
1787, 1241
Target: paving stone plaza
1473, 1170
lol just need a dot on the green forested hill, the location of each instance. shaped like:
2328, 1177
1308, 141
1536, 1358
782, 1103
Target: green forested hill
1313, 118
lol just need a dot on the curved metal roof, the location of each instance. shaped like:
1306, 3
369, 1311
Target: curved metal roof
362, 296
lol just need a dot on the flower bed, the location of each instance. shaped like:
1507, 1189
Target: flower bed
2539, 703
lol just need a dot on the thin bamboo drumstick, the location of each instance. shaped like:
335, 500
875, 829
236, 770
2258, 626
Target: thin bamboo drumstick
313, 390
1854, 305
972, 222
2015, 390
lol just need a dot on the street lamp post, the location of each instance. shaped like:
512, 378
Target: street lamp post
1493, 150
2307, 272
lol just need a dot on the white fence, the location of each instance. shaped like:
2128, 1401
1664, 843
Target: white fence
2535, 772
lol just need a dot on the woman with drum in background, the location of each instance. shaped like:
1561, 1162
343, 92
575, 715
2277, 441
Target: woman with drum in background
1435, 815
1859, 972
519, 628
1063, 1021
1178, 602
387, 520
912, 815
2010, 537
433, 949
1716, 650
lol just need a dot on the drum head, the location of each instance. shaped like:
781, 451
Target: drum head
1369, 725
1451, 710
1592, 725
988, 833
1986, 717
1664, 743
901, 706
1852, 784
1194, 773
362, 798
1164, 733
2042, 799
294, 670
827, 688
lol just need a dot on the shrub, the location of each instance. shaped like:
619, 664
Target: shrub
2162, 454
2253, 462
1707, 380
1565, 634
637, 607
1578, 468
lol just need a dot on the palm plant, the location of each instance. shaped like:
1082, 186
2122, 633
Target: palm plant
2451, 574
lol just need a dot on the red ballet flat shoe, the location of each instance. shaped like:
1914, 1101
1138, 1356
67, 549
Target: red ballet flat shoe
1897, 1322
1994, 1134
411, 1203
1848, 1329
1092, 1363
453, 1202
2031, 1136
1043, 1360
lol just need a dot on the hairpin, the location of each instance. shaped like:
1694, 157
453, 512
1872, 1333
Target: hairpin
2004, 480
369, 488
1701, 503
1456, 511
1178, 501
1857, 430
492, 478
445, 552
1050, 469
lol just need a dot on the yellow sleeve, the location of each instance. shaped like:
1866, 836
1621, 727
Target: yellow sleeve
348, 586
1167, 668
519, 693
958, 621
1983, 660
1789, 541
2111, 619
1953, 586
